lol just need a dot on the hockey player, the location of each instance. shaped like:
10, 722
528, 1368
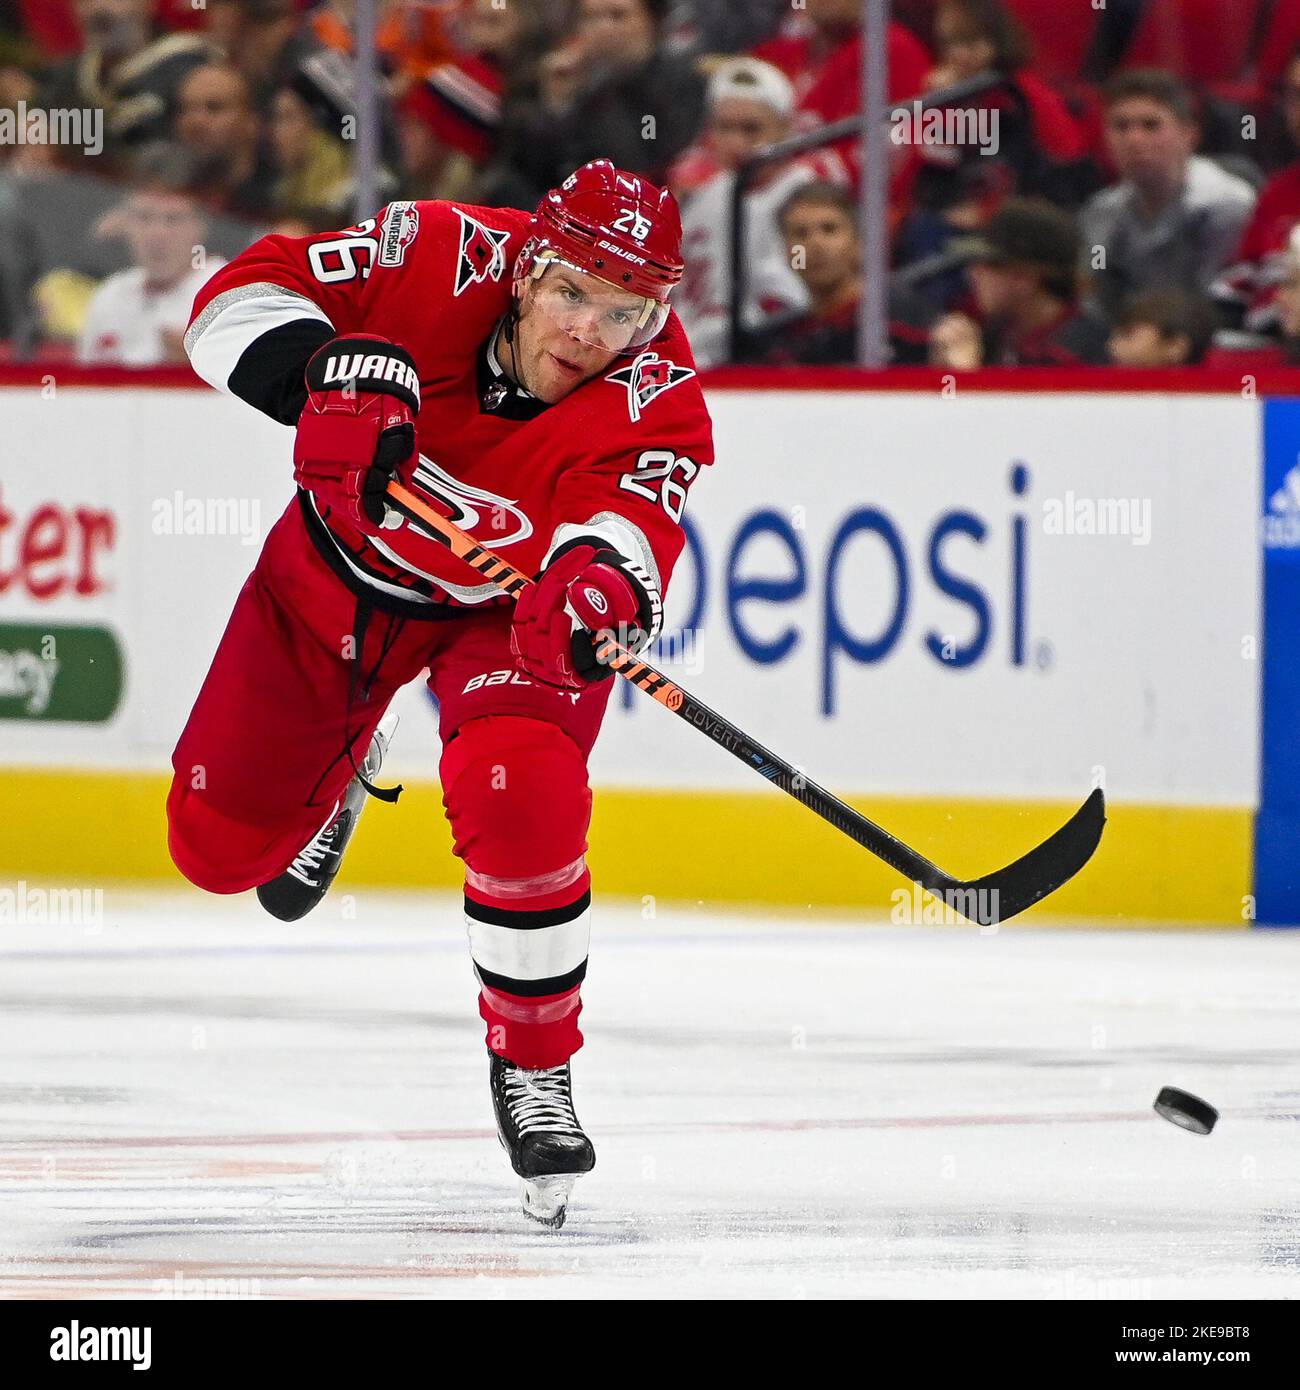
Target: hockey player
526, 374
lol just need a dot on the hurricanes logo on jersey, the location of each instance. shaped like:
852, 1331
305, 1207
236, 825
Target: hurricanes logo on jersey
482, 253
648, 376
500, 521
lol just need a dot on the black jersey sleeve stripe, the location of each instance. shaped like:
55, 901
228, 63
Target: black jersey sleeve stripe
269, 373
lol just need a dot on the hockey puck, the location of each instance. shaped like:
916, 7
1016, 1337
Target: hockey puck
1185, 1110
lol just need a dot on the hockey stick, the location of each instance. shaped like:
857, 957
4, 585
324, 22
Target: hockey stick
996, 897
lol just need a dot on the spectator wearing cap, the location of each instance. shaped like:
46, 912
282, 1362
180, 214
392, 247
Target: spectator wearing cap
218, 125
612, 89
749, 104
819, 225
125, 68
1162, 328
1174, 218
1024, 280
137, 317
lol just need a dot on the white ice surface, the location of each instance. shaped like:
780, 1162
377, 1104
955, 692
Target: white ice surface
780, 1108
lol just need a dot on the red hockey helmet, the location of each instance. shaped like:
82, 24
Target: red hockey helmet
620, 229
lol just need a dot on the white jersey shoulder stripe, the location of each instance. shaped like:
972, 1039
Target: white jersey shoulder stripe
236, 319
623, 535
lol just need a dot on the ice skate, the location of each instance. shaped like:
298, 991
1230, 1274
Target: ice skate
539, 1130
305, 882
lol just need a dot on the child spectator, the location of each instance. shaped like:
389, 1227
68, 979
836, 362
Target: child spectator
1162, 328
1024, 280
1174, 218
820, 229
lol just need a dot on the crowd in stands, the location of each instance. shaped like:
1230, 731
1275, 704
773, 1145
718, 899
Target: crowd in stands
1115, 184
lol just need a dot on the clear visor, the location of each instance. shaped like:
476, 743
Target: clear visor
598, 314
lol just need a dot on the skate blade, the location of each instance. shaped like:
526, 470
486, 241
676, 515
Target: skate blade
546, 1200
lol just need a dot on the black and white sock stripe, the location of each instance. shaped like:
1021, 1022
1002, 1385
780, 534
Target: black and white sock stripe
530, 953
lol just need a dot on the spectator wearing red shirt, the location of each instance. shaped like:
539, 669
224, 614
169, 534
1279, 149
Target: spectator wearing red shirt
1286, 353
821, 53
1024, 280
1249, 285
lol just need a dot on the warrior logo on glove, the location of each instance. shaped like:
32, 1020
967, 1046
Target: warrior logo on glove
358, 426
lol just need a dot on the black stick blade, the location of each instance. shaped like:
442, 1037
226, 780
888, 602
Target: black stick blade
1000, 896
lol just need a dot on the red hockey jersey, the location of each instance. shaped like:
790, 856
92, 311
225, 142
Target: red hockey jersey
612, 460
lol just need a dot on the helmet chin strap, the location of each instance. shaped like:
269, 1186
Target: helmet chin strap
510, 327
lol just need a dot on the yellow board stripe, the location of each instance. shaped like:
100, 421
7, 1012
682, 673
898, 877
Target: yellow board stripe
1177, 865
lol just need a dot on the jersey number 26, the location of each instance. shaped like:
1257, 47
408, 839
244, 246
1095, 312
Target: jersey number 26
659, 465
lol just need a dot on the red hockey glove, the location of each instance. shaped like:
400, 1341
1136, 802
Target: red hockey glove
358, 425
581, 592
